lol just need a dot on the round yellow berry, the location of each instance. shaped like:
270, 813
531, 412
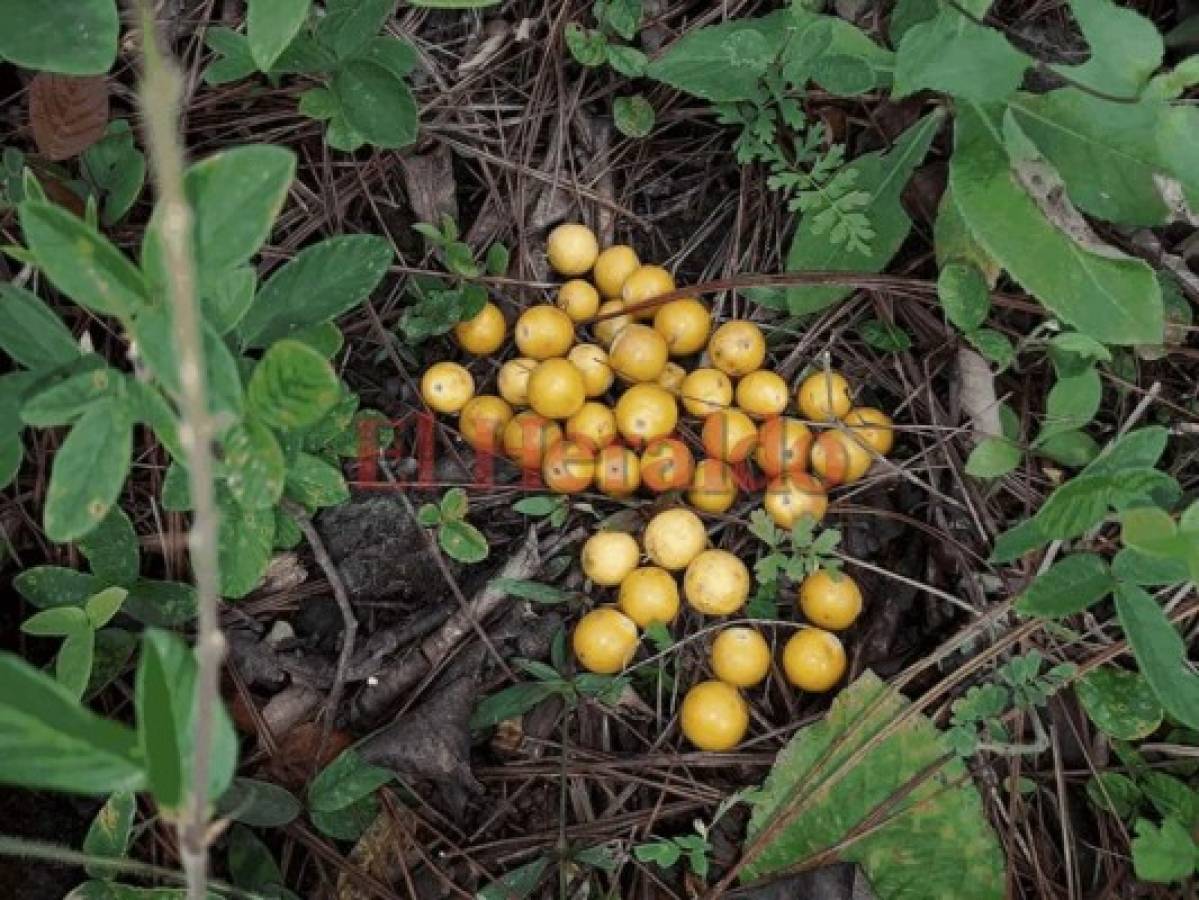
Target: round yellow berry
783, 446
613, 267
605, 640
447, 386
556, 389
740, 656
609, 556
762, 394
578, 299
483, 333
513, 380
730, 435
706, 391
737, 348
568, 467
685, 324
527, 438
572, 248
617, 471
638, 353
872, 427
594, 425
713, 486
666, 465
645, 284
714, 716
592, 361
716, 583
607, 328
648, 595
672, 377
830, 599
792, 495
544, 331
824, 396
674, 538
839, 459
482, 422
814, 660
645, 412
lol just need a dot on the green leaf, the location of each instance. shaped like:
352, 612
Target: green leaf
325, 338
994, 345
628, 61
1160, 653
153, 332
719, 62
108, 836
58, 621
101, 607
1069, 586
454, 504
49, 741
89, 471
994, 457
634, 116
12, 454
73, 664
1120, 703
344, 781
322, 282
1083, 502
1113, 298
244, 544
885, 336
117, 169
620, 16
227, 298
348, 823
509, 703
539, 593
258, 803
588, 46
270, 27
292, 386
1069, 448
517, 884
114, 649
150, 408
165, 604
1141, 568
462, 541
1072, 403
1114, 793
67, 400
955, 243
1126, 48
1171, 797
73, 39
31, 333
932, 840
953, 54
255, 464
453, 4
376, 103
81, 262
47, 587
543, 505
349, 25
251, 865
314, 483
429, 515
962, 290
233, 61
157, 721
112, 549
1140, 449
1164, 854
882, 177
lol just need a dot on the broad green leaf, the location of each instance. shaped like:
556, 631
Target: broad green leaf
1113, 298
962, 290
930, 841
1152, 531
1069, 586
344, 781
227, 298
81, 262
164, 604
58, 621
1141, 568
994, 345
509, 703
1170, 796
102, 606
1120, 702
49, 741
518, 884
89, 471
112, 890
108, 836
376, 103
588, 46
955, 55
112, 549
12, 454
151, 408
325, 338
628, 61
1072, 403
314, 483
233, 62
1160, 653
453, 4
47, 587
1140, 449
1070, 448
258, 803
907, 14
73, 664
719, 62
885, 336
117, 168
462, 541
292, 386
79, 38
1114, 793
349, 24
114, 649
31, 333
322, 282
882, 177
349, 822
270, 27
955, 243
244, 543
634, 116
1082, 502
255, 465
531, 590
251, 865
176, 491
155, 342
1164, 854
67, 400
158, 721
1126, 48
1107, 153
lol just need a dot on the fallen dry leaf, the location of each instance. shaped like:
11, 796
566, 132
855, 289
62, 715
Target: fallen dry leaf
67, 113
293, 765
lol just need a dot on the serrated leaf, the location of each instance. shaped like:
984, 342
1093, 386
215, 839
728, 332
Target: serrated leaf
953, 54
81, 262
79, 39
31, 333
1111, 297
292, 386
1069, 586
108, 835
993, 458
933, 840
89, 471
322, 282
49, 741
345, 781
376, 103
255, 465
112, 549
1160, 653
1120, 703
882, 177
270, 27
258, 803
462, 541
1164, 854
314, 483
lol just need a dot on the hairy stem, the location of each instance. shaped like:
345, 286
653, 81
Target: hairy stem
161, 91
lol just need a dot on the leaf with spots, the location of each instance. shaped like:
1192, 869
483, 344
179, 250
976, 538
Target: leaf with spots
69, 399
89, 471
292, 386
77, 38
1120, 702
906, 811
109, 834
255, 465
244, 544
112, 550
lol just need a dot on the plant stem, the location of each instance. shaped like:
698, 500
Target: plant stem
161, 92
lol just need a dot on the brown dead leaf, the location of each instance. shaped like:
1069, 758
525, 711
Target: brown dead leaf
67, 113
292, 766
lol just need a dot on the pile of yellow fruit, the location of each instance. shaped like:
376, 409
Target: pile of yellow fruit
570, 431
